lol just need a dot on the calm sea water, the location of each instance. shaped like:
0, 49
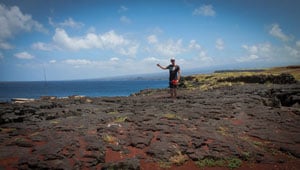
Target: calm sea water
9, 90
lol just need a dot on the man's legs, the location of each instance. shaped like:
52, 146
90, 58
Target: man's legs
173, 92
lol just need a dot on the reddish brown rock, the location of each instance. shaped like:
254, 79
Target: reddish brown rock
252, 122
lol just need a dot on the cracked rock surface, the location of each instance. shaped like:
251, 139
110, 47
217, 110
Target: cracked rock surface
253, 122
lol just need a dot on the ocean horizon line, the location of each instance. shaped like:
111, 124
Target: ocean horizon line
97, 88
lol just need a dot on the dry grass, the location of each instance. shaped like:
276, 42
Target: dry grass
230, 163
211, 81
171, 116
109, 138
120, 119
293, 70
178, 159
7, 130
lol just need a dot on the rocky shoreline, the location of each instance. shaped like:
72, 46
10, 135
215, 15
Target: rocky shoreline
239, 125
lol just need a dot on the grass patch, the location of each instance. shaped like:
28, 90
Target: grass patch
109, 138
35, 134
211, 81
171, 116
234, 163
255, 143
231, 163
220, 79
262, 145
164, 165
113, 113
293, 70
210, 162
178, 159
19, 139
223, 131
54, 122
7, 130
246, 156
120, 119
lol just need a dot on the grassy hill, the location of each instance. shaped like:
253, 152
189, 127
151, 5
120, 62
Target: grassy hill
276, 75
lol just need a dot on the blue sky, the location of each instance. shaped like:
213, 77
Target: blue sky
67, 40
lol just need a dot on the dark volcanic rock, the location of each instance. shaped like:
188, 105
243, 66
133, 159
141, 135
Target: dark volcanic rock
252, 122
23, 143
291, 149
283, 78
139, 140
161, 150
278, 97
128, 164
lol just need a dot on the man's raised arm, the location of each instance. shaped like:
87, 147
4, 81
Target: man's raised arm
164, 68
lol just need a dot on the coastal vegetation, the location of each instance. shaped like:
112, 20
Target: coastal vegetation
231, 163
281, 75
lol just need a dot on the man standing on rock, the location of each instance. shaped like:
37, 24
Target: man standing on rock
174, 76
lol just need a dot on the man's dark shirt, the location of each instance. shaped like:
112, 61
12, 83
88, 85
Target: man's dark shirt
173, 69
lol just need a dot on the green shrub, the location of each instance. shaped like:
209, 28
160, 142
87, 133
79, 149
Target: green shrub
211, 162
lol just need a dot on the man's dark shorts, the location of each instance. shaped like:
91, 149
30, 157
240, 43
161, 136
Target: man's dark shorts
172, 86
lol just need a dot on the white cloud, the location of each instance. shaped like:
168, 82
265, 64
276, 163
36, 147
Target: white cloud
24, 55
262, 51
50, 21
91, 30
13, 21
176, 48
266, 52
108, 40
151, 59
125, 20
292, 51
205, 10
194, 45
249, 58
123, 9
204, 58
52, 61
157, 30
111, 39
152, 39
5, 46
114, 59
71, 23
42, 46
298, 43
277, 32
200, 55
170, 48
108, 65
260, 48
130, 50
78, 62
219, 44
251, 49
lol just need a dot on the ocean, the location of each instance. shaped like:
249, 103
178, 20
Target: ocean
36, 89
